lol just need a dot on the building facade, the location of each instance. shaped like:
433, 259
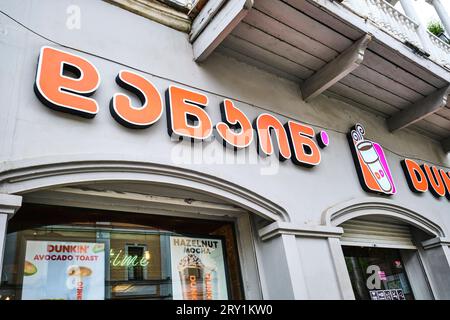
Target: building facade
139, 148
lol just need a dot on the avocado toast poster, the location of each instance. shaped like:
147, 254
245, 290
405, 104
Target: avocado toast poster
64, 271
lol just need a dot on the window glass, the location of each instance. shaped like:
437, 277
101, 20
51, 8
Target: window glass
111, 259
377, 274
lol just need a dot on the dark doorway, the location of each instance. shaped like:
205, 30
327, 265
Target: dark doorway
377, 273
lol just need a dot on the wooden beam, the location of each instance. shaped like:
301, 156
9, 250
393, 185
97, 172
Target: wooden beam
204, 17
419, 110
446, 144
336, 69
156, 11
219, 27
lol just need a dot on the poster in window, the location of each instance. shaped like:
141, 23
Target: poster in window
198, 269
64, 271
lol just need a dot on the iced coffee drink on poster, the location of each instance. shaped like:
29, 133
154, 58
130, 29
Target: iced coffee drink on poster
78, 281
191, 272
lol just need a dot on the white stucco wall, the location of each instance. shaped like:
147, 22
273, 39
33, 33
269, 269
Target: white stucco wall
114, 39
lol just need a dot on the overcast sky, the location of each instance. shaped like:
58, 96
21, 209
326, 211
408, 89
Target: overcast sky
426, 11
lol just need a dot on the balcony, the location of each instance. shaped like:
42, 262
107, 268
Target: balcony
440, 50
401, 27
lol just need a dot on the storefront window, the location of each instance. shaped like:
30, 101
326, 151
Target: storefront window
97, 255
377, 274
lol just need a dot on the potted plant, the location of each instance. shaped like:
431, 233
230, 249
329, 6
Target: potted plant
436, 28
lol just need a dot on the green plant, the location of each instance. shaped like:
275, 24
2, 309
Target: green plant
436, 28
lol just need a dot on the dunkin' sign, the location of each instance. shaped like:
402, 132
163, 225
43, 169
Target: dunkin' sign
371, 163
376, 176
65, 82
423, 178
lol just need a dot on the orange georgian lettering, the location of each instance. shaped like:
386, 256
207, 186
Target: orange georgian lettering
236, 129
265, 124
434, 180
416, 178
305, 150
185, 114
131, 116
64, 80
446, 178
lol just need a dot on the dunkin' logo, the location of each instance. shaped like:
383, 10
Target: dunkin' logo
371, 163
423, 178
65, 82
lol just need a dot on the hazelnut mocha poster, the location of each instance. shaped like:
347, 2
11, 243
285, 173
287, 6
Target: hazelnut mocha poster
64, 271
198, 269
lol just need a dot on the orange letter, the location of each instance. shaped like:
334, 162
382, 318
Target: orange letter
305, 150
264, 124
183, 106
233, 118
136, 117
434, 179
446, 178
417, 181
63, 80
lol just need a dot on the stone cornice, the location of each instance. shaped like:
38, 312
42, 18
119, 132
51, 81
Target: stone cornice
9, 204
279, 228
157, 12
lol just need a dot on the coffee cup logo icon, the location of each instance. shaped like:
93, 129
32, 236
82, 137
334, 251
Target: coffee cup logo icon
372, 160
371, 163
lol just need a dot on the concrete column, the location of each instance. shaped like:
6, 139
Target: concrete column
3, 222
442, 13
416, 275
301, 262
8, 206
411, 12
436, 256
282, 269
340, 268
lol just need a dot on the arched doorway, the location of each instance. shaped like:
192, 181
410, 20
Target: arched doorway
384, 249
90, 201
